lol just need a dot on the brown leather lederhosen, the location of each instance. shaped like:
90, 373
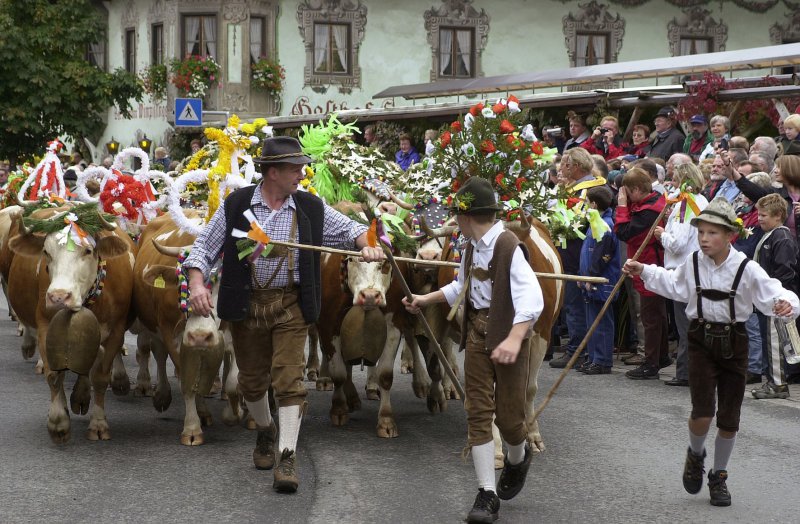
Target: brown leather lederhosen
718, 353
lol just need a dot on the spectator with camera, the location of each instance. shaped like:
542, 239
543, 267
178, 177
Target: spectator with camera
669, 139
553, 136
606, 140
720, 127
577, 131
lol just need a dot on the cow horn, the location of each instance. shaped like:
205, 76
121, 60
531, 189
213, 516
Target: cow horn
109, 226
523, 220
169, 251
25, 230
444, 231
399, 202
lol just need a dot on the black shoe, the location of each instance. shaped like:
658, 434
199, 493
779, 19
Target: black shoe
643, 372
485, 509
665, 363
753, 378
583, 368
561, 362
597, 369
285, 473
793, 379
693, 471
677, 382
512, 478
720, 496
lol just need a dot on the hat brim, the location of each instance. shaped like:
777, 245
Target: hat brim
476, 210
301, 159
711, 219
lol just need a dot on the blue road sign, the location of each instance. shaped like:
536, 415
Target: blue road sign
188, 112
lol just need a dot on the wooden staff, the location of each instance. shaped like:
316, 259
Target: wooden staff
602, 312
433, 263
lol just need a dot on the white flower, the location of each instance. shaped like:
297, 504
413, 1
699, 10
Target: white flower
515, 168
487, 112
528, 134
254, 140
468, 149
468, 119
72, 217
267, 130
453, 172
429, 147
513, 107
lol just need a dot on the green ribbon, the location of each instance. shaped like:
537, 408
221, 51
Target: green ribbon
597, 225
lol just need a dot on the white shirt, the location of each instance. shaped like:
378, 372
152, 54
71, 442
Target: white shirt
525, 291
680, 238
756, 288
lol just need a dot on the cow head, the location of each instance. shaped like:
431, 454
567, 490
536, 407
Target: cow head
73, 271
368, 282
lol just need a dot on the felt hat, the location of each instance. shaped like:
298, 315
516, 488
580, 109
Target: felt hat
666, 111
282, 150
474, 197
719, 212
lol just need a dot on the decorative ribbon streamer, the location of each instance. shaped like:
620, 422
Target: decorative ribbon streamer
597, 225
73, 234
262, 246
691, 205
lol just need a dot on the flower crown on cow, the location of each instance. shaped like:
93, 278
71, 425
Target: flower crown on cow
75, 226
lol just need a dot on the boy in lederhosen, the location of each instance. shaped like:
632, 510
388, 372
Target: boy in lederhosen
502, 300
720, 289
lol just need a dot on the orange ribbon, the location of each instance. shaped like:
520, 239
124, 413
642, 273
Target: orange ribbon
257, 234
689, 199
372, 233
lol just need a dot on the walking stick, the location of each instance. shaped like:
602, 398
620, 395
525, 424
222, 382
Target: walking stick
602, 312
436, 347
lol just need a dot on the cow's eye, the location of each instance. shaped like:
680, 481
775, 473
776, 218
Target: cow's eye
385, 268
87, 252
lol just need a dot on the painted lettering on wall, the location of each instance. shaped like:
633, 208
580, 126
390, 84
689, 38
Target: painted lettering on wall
303, 106
146, 111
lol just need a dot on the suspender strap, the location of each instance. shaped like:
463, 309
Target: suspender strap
714, 294
698, 289
734, 287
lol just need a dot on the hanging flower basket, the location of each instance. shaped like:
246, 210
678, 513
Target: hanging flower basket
195, 74
268, 75
154, 79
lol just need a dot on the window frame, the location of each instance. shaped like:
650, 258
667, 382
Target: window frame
263, 47
202, 43
130, 50
332, 42
606, 58
454, 55
157, 37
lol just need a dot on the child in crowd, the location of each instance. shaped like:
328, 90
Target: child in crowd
790, 142
776, 252
599, 258
430, 139
720, 287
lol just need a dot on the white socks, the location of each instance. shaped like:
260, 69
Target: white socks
723, 447
289, 417
516, 454
697, 443
483, 460
259, 410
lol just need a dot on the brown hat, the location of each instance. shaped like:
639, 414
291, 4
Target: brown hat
282, 150
476, 196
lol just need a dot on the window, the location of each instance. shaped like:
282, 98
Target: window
258, 38
130, 50
695, 46
331, 48
456, 52
96, 54
157, 44
696, 32
592, 49
200, 35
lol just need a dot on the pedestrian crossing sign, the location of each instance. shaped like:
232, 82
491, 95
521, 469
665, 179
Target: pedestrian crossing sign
188, 112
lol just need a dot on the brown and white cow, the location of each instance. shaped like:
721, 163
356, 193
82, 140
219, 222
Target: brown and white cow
195, 344
45, 277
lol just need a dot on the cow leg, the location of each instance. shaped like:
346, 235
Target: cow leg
351, 393
81, 396
420, 380
162, 397
372, 384
192, 434
436, 400
312, 364
100, 375
28, 342
120, 383
387, 427
538, 349
407, 361
450, 390
57, 416
324, 382
338, 370
232, 413
144, 387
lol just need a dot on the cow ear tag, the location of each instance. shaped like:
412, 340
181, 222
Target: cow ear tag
159, 282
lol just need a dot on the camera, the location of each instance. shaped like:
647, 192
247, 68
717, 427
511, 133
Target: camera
604, 130
555, 131
723, 144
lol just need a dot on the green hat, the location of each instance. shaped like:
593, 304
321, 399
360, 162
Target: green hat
719, 212
476, 196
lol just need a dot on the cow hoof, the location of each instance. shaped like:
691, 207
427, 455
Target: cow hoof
312, 375
387, 428
421, 390
223, 395
81, 396
143, 390
192, 440
339, 419
162, 399
120, 385
250, 423
538, 443
98, 430
229, 418
437, 405
28, 350
406, 368
324, 384
454, 393
59, 432
39, 369
373, 394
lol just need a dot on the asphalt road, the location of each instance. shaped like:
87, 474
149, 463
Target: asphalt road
615, 450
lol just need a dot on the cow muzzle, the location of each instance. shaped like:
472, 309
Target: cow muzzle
57, 299
370, 299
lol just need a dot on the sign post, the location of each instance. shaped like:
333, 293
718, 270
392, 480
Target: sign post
188, 112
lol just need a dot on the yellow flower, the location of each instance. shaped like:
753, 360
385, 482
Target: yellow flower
312, 190
739, 222
258, 123
305, 182
309, 173
233, 121
462, 205
248, 129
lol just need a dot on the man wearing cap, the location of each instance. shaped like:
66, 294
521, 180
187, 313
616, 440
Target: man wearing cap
699, 138
502, 301
668, 139
271, 301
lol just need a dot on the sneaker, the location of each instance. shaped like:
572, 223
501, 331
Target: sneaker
512, 478
264, 453
720, 496
643, 372
597, 369
693, 471
770, 390
485, 509
561, 362
583, 367
675, 381
285, 473
753, 378
635, 360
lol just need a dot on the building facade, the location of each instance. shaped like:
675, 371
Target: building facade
339, 53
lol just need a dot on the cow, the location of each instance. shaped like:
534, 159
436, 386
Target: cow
195, 344
92, 281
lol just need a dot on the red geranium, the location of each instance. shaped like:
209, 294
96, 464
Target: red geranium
514, 141
518, 183
507, 127
528, 162
445, 139
498, 108
456, 186
512, 98
455, 127
487, 147
504, 198
537, 148
476, 109
500, 180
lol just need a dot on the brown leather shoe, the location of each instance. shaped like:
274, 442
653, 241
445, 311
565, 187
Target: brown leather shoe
285, 473
264, 452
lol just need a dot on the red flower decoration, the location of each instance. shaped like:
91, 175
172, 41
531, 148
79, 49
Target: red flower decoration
455, 127
514, 142
518, 183
456, 186
445, 139
528, 162
572, 201
507, 127
476, 109
505, 198
487, 147
498, 108
500, 180
512, 98
128, 192
537, 148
